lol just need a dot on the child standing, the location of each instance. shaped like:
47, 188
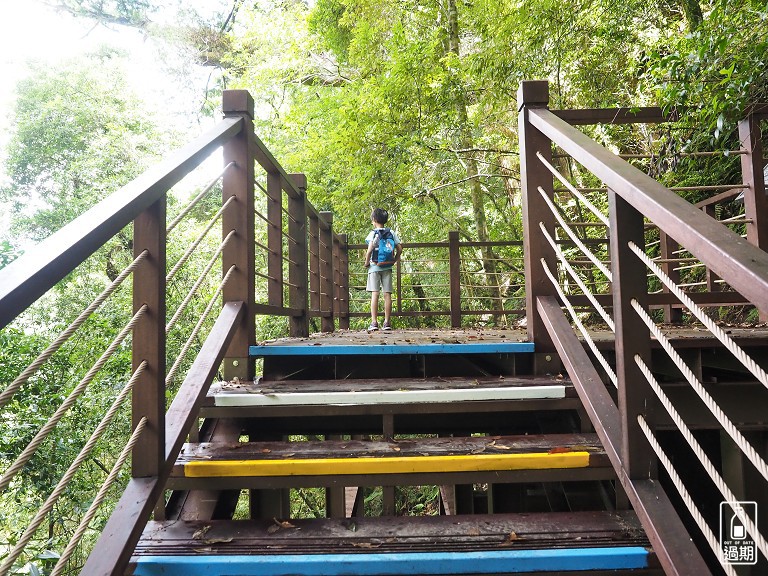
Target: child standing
380, 269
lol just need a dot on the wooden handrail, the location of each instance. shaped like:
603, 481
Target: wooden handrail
126, 523
41, 267
723, 251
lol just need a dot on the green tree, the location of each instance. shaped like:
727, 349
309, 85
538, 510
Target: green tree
78, 135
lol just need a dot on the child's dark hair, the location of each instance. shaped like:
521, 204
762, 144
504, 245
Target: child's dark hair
379, 215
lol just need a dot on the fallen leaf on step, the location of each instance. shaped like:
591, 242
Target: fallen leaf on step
198, 534
265, 450
513, 537
365, 545
502, 447
218, 540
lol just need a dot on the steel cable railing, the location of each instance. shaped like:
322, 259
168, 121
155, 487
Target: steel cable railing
698, 387
706, 462
683, 491
602, 217
196, 330
32, 447
100, 497
584, 332
202, 276
25, 375
196, 200
747, 361
576, 240
587, 292
74, 467
192, 247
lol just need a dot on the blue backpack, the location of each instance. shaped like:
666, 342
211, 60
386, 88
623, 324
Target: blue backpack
383, 247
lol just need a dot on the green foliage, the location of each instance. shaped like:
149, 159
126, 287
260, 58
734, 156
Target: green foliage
78, 135
133, 13
716, 73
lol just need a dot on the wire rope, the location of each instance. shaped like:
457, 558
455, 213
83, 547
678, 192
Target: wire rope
32, 447
713, 407
100, 497
8, 393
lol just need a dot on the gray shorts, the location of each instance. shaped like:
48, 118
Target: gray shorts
381, 280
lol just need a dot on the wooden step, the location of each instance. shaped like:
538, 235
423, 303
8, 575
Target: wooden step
398, 342
499, 544
534, 458
387, 396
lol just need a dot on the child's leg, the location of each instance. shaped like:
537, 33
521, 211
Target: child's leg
387, 306
375, 306
386, 288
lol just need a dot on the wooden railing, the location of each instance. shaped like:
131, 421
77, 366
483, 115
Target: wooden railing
445, 284
278, 255
638, 207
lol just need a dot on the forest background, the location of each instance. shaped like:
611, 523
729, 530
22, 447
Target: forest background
410, 105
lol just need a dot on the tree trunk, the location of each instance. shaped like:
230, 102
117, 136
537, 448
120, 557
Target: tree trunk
475, 190
693, 14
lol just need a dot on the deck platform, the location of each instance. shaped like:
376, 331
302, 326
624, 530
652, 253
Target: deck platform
351, 342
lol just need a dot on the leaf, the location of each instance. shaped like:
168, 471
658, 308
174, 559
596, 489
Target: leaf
200, 533
365, 545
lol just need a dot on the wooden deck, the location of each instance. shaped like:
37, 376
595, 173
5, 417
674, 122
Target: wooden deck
599, 542
438, 341
485, 340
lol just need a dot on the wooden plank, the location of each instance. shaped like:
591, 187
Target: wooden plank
381, 347
387, 396
384, 466
546, 530
640, 115
264, 386
396, 564
26, 279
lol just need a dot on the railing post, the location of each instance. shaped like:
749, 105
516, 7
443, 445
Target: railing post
534, 176
326, 272
632, 335
149, 340
712, 278
314, 263
240, 216
668, 247
454, 269
275, 239
755, 201
341, 273
344, 283
297, 254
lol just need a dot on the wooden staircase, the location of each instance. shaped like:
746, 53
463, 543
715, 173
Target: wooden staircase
523, 488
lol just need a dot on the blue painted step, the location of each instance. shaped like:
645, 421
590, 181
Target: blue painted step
486, 562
